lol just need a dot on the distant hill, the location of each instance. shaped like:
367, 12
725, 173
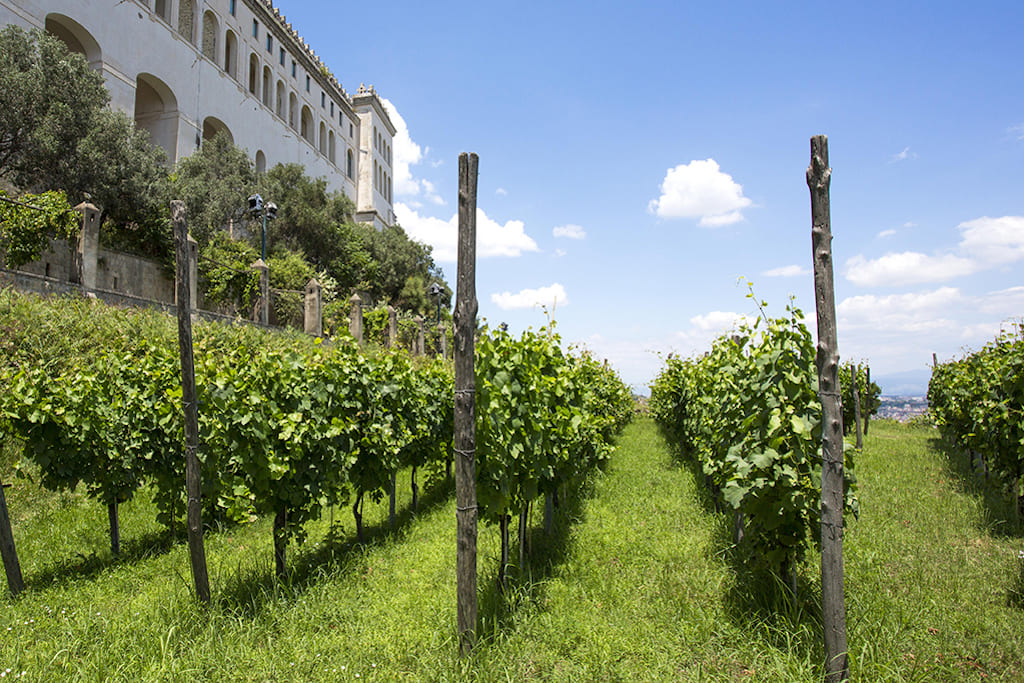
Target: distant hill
908, 383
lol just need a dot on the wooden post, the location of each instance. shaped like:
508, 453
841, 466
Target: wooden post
855, 373
115, 529
464, 442
193, 474
10, 555
871, 400
833, 608
88, 245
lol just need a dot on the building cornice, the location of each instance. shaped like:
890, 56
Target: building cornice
273, 20
368, 97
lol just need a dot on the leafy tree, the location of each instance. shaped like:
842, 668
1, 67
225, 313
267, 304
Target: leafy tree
315, 222
48, 99
126, 176
215, 184
27, 224
226, 275
402, 270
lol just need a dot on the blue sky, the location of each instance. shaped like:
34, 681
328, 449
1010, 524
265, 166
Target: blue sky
637, 160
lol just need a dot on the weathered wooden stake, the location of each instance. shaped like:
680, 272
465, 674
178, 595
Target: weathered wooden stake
464, 442
819, 176
855, 374
10, 556
193, 474
867, 413
280, 541
115, 530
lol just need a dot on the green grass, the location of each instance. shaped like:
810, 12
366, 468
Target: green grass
636, 583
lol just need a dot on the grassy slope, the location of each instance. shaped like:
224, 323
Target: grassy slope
637, 587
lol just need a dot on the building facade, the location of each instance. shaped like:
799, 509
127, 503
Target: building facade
188, 69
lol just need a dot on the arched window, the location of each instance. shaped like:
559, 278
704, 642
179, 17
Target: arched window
186, 19
306, 131
156, 111
323, 138
254, 74
331, 154
268, 90
279, 109
76, 37
210, 30
261, 162
293, 111
212, 126
231, 54
376, 175
163, 9
349, 170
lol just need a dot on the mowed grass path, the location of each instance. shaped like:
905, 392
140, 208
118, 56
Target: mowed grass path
635, 584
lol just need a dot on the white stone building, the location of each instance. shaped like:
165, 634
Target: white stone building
186, 69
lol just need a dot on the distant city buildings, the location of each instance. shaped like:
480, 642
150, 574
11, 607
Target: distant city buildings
188, 69
902, 408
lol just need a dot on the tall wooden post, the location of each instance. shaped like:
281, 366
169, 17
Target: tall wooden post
464, 443
871, 400
855, 374
193, 475
819, 176
10, 556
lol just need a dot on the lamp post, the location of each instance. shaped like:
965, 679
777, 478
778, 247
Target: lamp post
265, 211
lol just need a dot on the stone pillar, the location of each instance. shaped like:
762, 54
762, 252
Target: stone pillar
262, 312
421, 342
392, 327
88, 245
314, 323
355, 319
193, 272
443, 333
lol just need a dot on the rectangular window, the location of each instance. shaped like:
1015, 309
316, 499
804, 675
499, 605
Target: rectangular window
255, 29
307, 82
231, 7
332, 109
270, 43
323, 100
281, 57
350, 130
293, 68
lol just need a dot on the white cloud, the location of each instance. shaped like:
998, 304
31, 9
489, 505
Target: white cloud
886, 233
553, 295
914, 312
1017, 132
405, 155
910, 224
700, 189
903, 156
787, 271
501, 191
906, 268
994, 241
985, 243
492, 238
560, 252
573, 232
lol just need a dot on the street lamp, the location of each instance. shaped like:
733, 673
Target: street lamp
435, 290
266, 211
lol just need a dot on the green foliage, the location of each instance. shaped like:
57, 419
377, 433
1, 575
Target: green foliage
48, 100
978, 402
870, 397
540, 422
401, 271
126, 176
215, 183
226, 275
748, 414
314, 222
27, 226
